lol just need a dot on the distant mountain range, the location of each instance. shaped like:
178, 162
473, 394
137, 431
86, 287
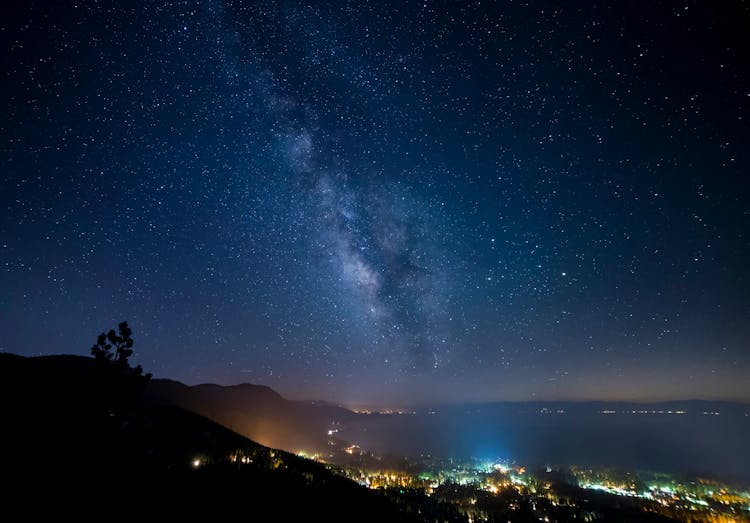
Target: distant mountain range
255, 411
689, 407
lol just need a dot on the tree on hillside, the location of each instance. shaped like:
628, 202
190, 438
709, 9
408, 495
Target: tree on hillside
118, 384
115, 349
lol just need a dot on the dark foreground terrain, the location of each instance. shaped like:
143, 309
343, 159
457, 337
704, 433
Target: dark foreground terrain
73, 446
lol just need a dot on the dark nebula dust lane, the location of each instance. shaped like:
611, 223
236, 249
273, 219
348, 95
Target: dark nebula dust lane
384, 203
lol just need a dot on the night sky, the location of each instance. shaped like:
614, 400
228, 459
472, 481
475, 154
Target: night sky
381, 203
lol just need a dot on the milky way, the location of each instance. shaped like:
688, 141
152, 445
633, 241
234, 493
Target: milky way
381, 203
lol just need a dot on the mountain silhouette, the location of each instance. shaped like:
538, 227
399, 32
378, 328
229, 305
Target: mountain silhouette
255, 411
63, 456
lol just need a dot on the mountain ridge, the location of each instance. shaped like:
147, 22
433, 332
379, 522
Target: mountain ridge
63, 445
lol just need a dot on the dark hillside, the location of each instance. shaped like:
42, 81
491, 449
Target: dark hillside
63, 455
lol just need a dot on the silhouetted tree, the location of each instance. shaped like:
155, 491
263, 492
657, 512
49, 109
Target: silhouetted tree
122, 345
119, 385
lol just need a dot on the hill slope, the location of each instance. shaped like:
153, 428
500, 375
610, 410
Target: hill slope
157, 460
254, 411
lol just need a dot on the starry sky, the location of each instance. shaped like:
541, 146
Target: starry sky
384, 202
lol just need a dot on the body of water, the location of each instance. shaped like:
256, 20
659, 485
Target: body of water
698, 442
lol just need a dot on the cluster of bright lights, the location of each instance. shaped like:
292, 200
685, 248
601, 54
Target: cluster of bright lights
483, 476
611, 489
662, 494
